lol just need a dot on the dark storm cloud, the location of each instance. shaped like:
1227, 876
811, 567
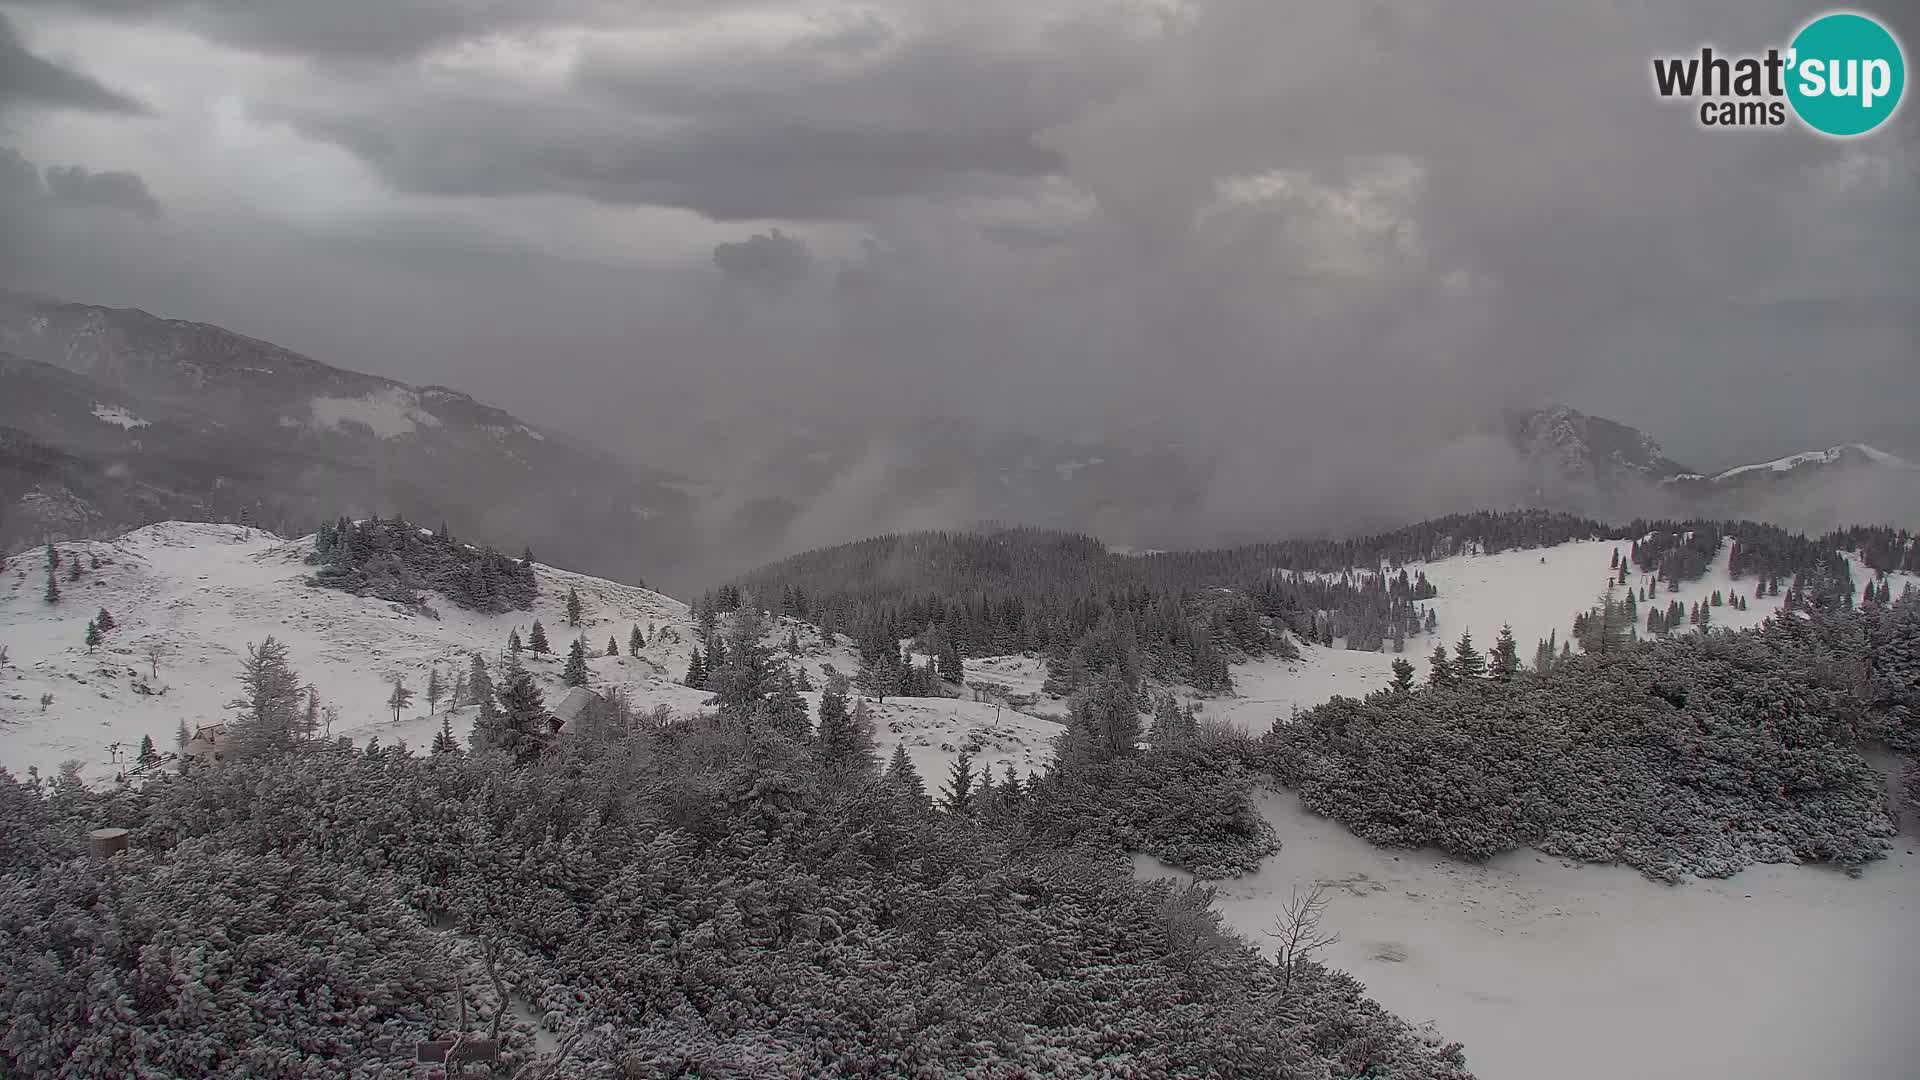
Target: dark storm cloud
770, 257
76, 186
827, 125
342, 29
1312, 249
27, 79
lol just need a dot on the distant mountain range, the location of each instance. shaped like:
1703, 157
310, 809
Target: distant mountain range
110, 419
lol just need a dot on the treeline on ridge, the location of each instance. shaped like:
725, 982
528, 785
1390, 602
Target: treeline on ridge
394, 560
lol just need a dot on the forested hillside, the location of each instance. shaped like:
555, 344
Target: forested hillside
1186, 617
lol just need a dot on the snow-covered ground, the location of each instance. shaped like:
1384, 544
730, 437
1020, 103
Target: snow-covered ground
1549, 969
1537, 592
203, 593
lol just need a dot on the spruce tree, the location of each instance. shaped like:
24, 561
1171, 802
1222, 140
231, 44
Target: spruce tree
53, 586
635, 642
1168, 729
573, 606
1468, 662
480, 691
94, 636
744, 677
524, 724
903, 777
149, 754
443, 740
104, 620
576, 670
435, 688
844, 742
956, 797
1402, 676
613, 647
832, 733
514, 645
786, 709
952, 668
1505, 662
696, 672
1440, 668
537, 639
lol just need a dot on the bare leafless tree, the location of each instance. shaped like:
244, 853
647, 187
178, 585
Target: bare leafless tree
1298, 932
156, 651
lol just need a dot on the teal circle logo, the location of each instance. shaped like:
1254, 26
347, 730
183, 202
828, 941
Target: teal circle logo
1846, 74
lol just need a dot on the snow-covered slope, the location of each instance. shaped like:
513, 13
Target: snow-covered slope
1536, 591
202, 593
1833, 455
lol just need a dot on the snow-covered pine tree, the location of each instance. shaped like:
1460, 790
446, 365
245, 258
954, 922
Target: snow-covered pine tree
1167, 727
104, 620
952, 668
537, 639
435, 688
94, 636
1440, 668
443, 740
480, 692
833, 735
744, 677
269, 703
902, 776
573, 606
957, 795
1505, 661
576, 670
1402, 676
1468, 662
786, 709
613, 647
635, 642
522, 725
149, 754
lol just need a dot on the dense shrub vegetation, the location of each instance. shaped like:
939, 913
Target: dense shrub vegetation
394, 560
691, 900
1698, 754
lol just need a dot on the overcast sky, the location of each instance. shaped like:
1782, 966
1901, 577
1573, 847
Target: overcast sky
1323, 234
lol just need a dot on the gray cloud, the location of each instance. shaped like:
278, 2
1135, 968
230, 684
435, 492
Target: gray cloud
28, 79
372, 30
831, 124
771, 257
76, 186
1302, 248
